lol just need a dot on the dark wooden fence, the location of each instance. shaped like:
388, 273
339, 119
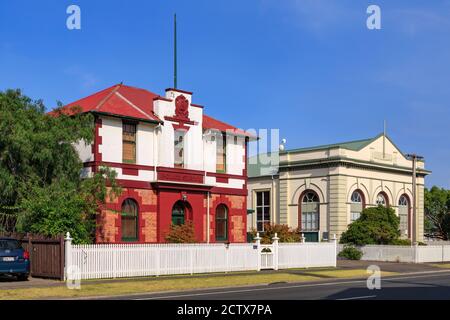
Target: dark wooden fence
46, 254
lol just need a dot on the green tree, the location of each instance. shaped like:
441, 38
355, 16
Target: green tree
41, 189
437, 213
376, 225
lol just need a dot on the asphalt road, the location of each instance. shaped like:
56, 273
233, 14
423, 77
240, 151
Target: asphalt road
426, 285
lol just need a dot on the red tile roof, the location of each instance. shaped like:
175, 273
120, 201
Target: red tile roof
214, 124
131, 102
119, 100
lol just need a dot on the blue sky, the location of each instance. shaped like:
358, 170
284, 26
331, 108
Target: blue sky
309, 67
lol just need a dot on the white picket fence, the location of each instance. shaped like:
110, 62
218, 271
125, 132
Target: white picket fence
102, 261
306, 255
411, 254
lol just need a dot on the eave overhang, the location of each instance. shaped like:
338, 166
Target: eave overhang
342, 161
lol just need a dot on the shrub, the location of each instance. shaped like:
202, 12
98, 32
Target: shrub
401, 242
181, 233
283, 232
377, 225
351, 253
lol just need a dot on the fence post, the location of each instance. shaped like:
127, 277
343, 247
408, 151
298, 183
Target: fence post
275, 253
335, 249
68, 254
258, 248
416, 254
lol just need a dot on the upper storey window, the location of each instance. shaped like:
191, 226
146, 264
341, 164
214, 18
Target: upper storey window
221, 153
128, 142
179, 148
382, 200
403, 213
356, 205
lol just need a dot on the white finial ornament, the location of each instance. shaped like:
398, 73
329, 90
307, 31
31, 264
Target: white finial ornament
283, 145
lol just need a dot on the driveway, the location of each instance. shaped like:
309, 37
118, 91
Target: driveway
8, 282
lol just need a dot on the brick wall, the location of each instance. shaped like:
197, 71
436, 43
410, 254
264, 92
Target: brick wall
106, 226
109, 223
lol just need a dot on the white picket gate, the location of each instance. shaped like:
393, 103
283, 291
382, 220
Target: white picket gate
100, 261
267, 256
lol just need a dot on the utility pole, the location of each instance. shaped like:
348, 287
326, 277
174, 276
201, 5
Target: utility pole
414, 157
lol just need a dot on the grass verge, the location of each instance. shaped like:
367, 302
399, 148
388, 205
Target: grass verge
143, 286
441, 265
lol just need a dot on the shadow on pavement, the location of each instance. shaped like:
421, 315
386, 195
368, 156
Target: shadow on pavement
8, 278
394, 293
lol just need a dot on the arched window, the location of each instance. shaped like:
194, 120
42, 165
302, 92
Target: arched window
310, 211
221, 223
356, 206
178, 213
403, 214
382, 200
129, 220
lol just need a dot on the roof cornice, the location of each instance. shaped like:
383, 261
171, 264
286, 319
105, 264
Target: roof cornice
333, 161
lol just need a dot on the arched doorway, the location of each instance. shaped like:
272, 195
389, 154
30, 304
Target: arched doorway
308, 218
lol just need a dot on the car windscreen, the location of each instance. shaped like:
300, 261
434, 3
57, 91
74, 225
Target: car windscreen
9, 244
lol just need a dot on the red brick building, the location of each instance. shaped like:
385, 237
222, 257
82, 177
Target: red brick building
174, 163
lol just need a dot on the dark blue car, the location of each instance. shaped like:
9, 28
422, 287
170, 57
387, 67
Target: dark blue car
14, 260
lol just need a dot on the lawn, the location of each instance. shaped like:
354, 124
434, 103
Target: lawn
441, 265
145, 285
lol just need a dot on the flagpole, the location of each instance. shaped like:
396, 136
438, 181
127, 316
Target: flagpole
384, 139
175, 52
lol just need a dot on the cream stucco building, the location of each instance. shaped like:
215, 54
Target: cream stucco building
323, 189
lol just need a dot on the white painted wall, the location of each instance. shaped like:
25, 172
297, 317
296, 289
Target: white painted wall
155, 145
200, 151
111, 133
145, 144
84, 151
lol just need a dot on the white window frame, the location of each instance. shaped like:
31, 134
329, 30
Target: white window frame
404, 217
354, 214
268, 207
309, 219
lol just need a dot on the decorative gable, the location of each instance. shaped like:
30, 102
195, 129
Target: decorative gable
181, 116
